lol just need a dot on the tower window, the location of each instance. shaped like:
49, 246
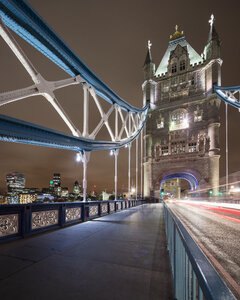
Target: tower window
192, 81
198, 115
182, 65
192, 147
178, 147
160, 123
164, 150
174, 68
178, 120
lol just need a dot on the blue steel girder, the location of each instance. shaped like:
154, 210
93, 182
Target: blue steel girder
228, 94
22, 19
18, 131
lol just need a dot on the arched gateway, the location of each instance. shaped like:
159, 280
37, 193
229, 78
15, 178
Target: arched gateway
181, 136
187, 176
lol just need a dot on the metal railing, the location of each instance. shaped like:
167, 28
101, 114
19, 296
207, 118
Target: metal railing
193, 275
22, 220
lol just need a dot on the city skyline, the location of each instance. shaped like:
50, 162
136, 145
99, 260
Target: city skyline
121, 51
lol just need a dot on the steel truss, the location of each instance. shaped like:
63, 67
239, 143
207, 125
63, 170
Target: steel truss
230, 95
128, 120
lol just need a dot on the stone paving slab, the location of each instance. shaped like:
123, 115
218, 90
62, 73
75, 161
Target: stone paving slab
118, 256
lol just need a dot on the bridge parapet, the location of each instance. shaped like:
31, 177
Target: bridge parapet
22, 220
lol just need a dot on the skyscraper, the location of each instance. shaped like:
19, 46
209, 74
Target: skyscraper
15, 182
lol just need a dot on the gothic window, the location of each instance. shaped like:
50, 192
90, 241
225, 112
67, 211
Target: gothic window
182, 65
192, 80
198, 115
164, 150
160, 123
192, 147
174, 68
178, 119
178, 147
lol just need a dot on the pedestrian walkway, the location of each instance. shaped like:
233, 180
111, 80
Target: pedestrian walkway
119, 256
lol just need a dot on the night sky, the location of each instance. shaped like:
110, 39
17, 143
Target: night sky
111, 38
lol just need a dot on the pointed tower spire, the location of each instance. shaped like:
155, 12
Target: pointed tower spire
212, 49
212, 53
149, 66
213, 35
149, 72
148, 59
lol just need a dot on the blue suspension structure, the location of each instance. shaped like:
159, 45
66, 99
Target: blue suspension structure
229, 95
20, 17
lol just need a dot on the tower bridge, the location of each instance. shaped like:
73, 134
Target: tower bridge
182, 129
181, 141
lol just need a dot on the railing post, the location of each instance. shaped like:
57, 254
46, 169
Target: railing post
26, 221
226, 112
141, 163
85, 160
136, 167
115, 177
62, 213
129, 171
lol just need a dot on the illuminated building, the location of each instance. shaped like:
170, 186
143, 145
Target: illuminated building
76, 188
15, 182
181, 136
56, 185
56, 179
64, 192
27, 198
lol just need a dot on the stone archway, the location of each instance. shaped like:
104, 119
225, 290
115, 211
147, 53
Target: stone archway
187, 176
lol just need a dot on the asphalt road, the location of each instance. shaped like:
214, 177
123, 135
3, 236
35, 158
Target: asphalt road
217, 231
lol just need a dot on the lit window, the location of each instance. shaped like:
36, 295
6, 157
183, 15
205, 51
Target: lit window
160, 123
197, 118
182, 65
198, 115
178, 147
192, 147
178, 120
174, 68
164, 150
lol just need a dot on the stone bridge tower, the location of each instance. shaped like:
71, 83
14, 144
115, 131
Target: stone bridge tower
181, 137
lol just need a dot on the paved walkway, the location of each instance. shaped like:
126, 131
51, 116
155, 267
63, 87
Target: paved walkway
119, 256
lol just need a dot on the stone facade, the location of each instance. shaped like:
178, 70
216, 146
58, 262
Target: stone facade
182, 130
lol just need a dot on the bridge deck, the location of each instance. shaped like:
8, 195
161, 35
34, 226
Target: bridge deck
119, 256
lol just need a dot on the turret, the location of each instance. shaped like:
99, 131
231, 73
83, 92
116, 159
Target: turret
212, 53
149, 65
148, 86
212, 49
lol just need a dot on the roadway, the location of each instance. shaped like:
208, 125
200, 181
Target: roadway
216, 229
